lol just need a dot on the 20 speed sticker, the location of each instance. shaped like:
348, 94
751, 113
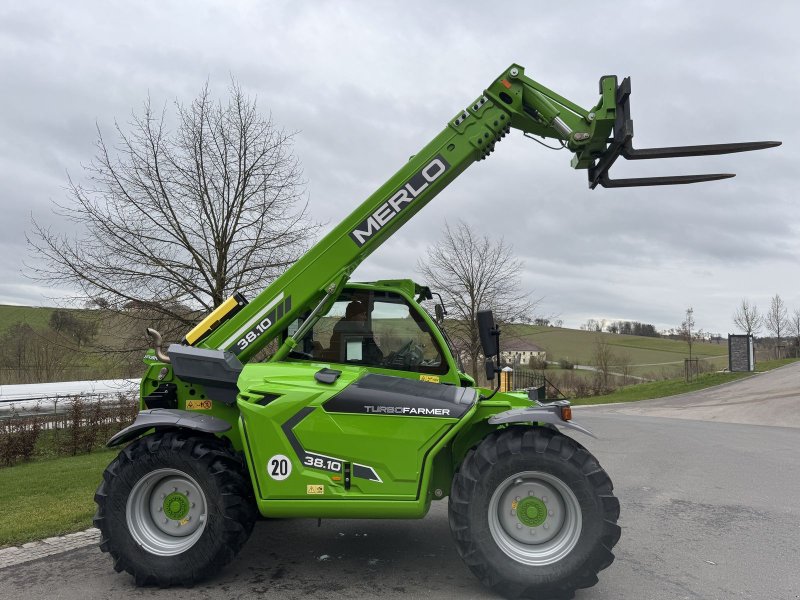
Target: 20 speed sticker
279, 467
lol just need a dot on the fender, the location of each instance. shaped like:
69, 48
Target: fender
170, 418
537, 414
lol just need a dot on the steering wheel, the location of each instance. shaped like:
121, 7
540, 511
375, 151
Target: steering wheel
409, 355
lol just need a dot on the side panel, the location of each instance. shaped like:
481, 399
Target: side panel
315, 451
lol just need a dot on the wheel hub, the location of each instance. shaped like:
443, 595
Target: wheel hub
176, 506
531, 511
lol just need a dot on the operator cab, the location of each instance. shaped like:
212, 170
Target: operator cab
380, 326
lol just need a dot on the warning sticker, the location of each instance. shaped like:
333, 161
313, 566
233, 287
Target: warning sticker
199, 404
429, 378
315, 489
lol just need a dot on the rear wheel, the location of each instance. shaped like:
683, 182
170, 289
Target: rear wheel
174, 508
533, 514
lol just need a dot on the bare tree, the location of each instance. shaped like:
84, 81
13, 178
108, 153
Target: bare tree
473, 272
624, 363
777, 320
747, 318
686, 328
794, 322
602, 359
175, 220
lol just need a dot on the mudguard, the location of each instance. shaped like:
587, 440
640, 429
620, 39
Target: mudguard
537, 414
171, 418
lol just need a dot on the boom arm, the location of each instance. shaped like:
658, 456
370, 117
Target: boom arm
512, 100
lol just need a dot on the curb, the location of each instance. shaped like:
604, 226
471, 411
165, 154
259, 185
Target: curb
15, 555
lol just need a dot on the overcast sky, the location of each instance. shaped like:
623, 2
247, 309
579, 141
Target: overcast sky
367, 84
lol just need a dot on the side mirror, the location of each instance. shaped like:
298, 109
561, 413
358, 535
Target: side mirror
488, 333
439, 312
490, 341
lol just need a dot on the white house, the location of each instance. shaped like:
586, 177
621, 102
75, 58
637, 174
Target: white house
520, 352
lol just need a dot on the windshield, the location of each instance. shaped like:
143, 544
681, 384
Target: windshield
373, 328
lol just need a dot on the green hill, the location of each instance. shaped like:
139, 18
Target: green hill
32, 315
645, 355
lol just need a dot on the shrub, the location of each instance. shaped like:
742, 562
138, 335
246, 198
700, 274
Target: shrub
18, 436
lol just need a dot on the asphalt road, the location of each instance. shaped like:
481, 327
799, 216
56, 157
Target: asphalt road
710, 510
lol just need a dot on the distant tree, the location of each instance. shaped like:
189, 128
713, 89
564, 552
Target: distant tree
29, 355
472, 272
60, 320
777, 320
82, 330
15, 346
541, 322
183, 215
747, 318
686, 328
558, 323
592, 325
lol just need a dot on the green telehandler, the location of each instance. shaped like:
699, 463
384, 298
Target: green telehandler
363, 410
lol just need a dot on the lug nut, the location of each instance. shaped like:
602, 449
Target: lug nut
519, 525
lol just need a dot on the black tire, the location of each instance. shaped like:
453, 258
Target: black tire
500, 457
228, 498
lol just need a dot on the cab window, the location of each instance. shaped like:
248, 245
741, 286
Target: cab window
372, 328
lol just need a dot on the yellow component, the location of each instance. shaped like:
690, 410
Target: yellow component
212, 320
514, 504
315, 489
430, 378
199, 404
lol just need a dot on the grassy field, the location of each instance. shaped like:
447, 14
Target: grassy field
647, 356
32, 315
49, 497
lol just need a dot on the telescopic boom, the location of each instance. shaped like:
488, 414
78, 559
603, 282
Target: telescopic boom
597, 137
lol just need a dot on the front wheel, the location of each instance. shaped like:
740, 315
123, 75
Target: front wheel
174, 508
533, 514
